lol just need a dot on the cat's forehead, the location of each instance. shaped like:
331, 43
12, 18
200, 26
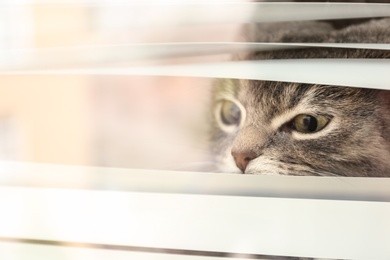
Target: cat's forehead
272, 98
269, 99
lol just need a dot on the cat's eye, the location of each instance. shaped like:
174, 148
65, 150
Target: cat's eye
230, 113
308, 123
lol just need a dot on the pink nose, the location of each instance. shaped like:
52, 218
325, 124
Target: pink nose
242, 159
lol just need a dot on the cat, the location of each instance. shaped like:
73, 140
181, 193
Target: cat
281, 128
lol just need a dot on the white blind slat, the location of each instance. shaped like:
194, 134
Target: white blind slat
25, 251
365, 73
114, 54
230, 12
36, 175
251, 225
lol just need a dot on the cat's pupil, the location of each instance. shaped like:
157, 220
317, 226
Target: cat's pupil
310, 123
230, 113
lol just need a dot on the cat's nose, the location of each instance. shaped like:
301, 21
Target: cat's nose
242, 159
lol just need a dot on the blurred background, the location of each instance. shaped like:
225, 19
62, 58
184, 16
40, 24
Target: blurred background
104, 120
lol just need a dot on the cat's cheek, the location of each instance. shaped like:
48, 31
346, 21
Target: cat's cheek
263, 166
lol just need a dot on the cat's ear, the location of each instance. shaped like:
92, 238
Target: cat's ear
375, 31
384, 101
297, 31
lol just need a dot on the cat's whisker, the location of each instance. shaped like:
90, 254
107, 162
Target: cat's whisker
328, 174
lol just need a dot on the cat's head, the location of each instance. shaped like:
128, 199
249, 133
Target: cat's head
263, 127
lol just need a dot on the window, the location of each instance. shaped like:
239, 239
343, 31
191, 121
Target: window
104, 136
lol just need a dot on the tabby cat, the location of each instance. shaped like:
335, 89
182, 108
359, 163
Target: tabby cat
280, 128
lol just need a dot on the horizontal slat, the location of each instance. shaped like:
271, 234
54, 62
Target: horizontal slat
120, 209
114, 54
210, 223
230, 12
365, 73
26, 251
115, 179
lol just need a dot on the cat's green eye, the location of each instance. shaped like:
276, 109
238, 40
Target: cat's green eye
308, 123
230, 113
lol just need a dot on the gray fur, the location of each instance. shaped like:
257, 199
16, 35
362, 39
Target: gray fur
358, 145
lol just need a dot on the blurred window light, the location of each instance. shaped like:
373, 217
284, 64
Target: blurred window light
9, 139
16, 30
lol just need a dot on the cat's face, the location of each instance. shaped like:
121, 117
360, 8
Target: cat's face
296, 129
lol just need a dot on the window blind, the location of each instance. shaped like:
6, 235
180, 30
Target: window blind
74, 212
100, 212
